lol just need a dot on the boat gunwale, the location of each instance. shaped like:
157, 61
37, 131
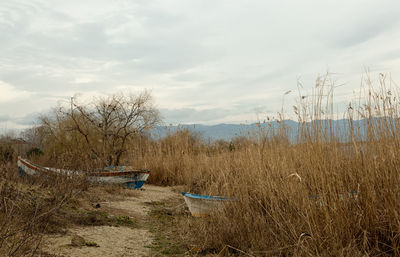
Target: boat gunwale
90, 174
207, 197
32, 166
117, 173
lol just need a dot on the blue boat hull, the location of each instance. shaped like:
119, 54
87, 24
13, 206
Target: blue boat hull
21, 172
134, 184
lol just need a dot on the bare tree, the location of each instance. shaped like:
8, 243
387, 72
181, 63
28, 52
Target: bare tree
107, 123
34, 135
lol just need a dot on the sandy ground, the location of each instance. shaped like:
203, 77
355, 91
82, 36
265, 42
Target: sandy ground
113, 241
139, 205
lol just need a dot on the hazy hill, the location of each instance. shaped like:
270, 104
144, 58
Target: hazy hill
228, 131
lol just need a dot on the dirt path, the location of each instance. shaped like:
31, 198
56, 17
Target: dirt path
114, 241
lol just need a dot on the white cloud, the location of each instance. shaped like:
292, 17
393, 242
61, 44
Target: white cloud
193, 55
9, 93
84, 79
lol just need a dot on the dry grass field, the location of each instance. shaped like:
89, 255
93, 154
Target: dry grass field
332, 193
31, 207
319, 197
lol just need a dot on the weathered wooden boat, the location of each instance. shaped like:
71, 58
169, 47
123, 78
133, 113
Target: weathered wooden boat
125, 175
203, 205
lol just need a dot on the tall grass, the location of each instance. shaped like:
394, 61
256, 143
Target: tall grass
332, 193
29, 206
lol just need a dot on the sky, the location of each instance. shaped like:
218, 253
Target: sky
204, 61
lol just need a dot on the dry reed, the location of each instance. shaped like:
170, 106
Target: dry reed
332, 193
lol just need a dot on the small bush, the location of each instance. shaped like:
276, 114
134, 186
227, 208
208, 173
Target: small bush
6, 153
34, 152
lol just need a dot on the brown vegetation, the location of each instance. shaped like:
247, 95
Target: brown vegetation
332, 193
28, 208
97, 132
318, 197
49, 203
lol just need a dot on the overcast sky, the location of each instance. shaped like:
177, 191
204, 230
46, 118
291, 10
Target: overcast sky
205, 61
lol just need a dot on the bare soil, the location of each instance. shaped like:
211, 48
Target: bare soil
113, 240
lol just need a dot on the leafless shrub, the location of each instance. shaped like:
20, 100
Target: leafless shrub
27, 207
100, 130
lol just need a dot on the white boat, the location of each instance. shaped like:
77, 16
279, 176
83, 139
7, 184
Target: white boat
203, 205
121, 175
131, 178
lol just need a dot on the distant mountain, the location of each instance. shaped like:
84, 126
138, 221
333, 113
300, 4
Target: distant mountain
229, 131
